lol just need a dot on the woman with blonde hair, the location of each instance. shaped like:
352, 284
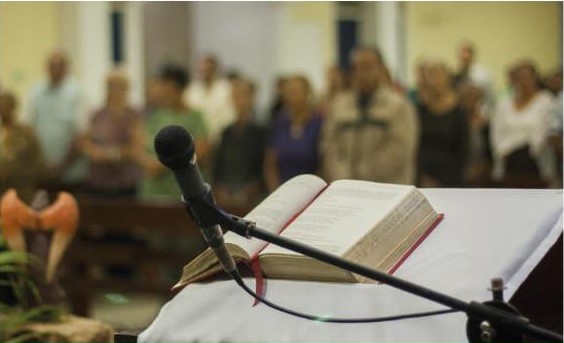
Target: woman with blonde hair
443, 146
112, 141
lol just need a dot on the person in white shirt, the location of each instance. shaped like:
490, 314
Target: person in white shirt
520, 128
211, 94
470, 71
56, 114
553, 83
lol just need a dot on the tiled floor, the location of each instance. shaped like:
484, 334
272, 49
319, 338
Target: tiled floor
126, 311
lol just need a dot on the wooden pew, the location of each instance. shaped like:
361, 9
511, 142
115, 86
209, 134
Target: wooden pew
128, 227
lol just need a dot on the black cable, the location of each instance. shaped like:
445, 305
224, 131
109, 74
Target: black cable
241, 283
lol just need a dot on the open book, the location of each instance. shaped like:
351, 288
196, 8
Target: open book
374, 224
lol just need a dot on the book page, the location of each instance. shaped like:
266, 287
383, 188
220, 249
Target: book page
344, 213
274, 212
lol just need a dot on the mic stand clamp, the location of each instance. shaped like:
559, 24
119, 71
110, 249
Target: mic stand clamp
202, 209
485, 331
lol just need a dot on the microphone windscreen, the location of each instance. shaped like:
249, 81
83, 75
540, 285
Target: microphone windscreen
174, 146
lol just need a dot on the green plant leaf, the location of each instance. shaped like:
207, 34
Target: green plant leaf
8, 257
10, 269
24, 337
19, 318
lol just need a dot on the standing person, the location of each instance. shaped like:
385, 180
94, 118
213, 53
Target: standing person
388, 80
478, 166
520, 131
58, 119
293, 145
277, 101
211, 94
335, 84
112, 141
414, 94
153, 97
238, 169
553, 83
443, 149
371, 132
21, 162
158, 182
470, 71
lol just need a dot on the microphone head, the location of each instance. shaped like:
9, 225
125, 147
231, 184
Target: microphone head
174, 147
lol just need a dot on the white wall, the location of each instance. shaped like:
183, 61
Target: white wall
32, 31
266, 39
242, 35
307, 38
29, 32
503, 32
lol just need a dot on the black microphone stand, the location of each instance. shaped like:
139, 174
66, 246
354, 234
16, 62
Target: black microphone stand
492, 321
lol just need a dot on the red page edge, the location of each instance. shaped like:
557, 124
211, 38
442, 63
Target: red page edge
436, 223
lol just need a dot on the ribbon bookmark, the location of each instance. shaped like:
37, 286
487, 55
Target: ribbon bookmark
260, 288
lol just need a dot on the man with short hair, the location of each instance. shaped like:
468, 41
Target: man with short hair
58, 118
211, 94
158, 182
371, 132
239, 158
22, 165
469, 71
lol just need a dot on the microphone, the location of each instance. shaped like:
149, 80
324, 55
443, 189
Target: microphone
175, 149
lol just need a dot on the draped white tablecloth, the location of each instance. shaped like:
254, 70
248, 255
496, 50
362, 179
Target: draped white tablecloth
484, 234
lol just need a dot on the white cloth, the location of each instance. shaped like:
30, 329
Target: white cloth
215, 104
484, 234
515, 128
481, 77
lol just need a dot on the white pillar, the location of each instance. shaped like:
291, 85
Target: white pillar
390, 36
382, 26
134, 51
86, 37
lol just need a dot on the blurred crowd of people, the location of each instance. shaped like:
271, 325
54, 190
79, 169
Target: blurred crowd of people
450, 130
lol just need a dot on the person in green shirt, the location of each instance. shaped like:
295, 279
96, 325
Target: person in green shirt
158, 182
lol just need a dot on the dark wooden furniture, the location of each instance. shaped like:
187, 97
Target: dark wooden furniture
540, 297
113, 249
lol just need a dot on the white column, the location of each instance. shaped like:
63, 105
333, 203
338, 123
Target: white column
382, 26
86, 37
388, 31
133, 40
